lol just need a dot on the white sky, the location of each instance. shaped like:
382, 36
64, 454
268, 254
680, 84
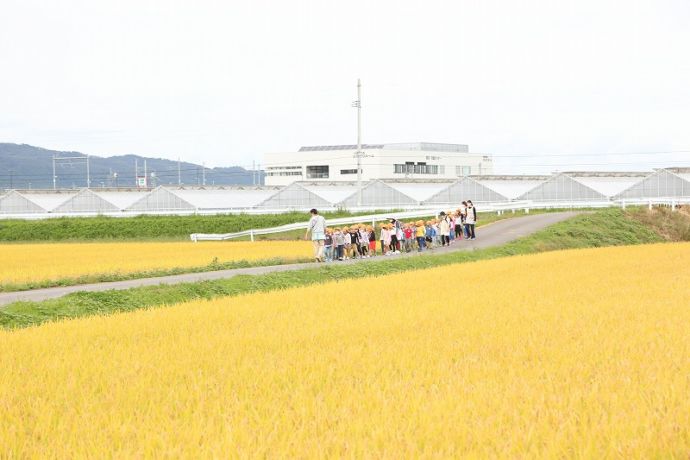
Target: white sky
225, 81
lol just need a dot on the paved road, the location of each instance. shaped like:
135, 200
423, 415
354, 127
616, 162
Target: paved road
495, 234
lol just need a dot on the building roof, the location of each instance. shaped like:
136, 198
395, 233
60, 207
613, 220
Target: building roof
420, 191
608, 185
226, 198
424, 146
562, 187
49, 200
86, 201
333, 193
510, 186
122, 199
463, 189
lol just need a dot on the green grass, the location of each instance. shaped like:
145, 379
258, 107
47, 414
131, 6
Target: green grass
144, 227
609, 227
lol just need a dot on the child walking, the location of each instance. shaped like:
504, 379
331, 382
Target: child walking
372, 241
328, 245
420, 232
385, 239
339, 243
348, 241
363, 241
354, 242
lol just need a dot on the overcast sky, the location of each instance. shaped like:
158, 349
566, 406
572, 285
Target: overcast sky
541, 84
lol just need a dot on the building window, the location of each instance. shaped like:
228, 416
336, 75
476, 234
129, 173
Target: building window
284, 167
285, 173
463, 170
348, 171
317, 172
418, 168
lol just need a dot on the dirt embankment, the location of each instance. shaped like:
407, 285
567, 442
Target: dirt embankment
670, 225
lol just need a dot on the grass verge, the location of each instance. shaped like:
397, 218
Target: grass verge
670, 225
155, 228
609, 227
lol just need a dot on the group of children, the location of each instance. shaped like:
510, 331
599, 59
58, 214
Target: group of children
395, 237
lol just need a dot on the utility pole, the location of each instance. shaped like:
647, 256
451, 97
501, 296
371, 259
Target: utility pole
88, 173
203, 174
11, 179
359, 153
136, 172
146, 177
54, 176
179, 172
253, 172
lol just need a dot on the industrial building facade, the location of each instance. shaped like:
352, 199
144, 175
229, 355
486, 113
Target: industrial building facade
338, 163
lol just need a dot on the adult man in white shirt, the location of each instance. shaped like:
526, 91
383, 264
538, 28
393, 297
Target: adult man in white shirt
317, 228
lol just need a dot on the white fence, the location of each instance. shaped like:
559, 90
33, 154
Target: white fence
499, 208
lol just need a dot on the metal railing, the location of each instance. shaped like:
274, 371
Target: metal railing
373, 218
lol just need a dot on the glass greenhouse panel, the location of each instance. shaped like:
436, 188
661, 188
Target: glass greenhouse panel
16, 203
161, 199
295, 196
86, 201
466, 189
563, 188
660, 184
379, 194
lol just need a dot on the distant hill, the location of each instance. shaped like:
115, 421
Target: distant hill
24, 166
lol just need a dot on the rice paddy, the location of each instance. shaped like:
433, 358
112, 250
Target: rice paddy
580, 353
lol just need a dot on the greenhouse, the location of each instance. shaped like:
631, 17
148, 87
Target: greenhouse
608, 184
463, 189
122, 199
333, 193
225, 198
419, 191
85, 201
16, 203
295, 196
579, 188
664, 183
161, 200
510, 186
378, 194
563, 188
48, 200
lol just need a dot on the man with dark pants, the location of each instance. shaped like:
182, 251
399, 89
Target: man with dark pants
470, 220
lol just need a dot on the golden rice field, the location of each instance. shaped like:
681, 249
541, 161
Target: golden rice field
23, 263
566, 354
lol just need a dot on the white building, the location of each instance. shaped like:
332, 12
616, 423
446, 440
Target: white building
419, 160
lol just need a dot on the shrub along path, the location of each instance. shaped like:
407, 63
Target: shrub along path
497, 233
